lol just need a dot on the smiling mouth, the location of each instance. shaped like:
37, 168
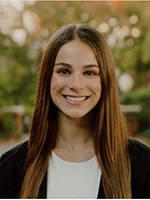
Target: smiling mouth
76, 99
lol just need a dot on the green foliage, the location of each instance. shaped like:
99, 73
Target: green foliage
17, 79
19, 63
7, 125
140, 97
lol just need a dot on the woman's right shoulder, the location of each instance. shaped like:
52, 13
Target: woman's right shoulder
16, 153
11, 170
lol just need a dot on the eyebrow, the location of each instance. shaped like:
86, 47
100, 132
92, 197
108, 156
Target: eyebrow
70, 66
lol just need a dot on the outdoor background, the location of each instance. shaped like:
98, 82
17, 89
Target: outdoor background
25, 28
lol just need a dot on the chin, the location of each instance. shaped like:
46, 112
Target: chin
76, 116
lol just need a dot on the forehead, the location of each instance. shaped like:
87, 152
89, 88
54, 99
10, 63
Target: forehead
76, 50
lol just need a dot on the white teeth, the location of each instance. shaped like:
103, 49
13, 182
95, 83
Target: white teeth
75, 98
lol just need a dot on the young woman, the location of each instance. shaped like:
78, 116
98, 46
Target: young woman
79, 144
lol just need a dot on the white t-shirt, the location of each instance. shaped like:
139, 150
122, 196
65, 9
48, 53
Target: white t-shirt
72, 179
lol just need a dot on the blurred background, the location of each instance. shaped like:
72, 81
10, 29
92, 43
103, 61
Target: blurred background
25, 28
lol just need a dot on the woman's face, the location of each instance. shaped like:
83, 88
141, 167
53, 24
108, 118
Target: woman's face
75, 83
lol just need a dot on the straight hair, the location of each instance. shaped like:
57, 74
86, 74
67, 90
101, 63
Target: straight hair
110, 133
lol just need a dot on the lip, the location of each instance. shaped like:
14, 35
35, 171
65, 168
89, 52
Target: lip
75, 99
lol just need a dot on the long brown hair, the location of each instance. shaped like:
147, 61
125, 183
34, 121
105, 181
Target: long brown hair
110, 135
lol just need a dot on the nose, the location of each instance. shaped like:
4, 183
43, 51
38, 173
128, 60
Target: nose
76, 82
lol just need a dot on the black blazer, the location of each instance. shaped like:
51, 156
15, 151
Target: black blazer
12, 162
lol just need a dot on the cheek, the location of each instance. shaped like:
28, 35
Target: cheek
97, 87
56, 84
98, 90
52, 85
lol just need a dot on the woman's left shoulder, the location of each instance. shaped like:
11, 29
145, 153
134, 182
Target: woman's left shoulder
140, 169
139, 151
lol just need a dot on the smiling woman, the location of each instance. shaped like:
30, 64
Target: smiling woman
75, 84
79, 145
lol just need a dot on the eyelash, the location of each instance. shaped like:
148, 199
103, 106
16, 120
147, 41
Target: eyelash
91, 73
65, 71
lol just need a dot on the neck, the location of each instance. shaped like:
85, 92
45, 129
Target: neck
74, 133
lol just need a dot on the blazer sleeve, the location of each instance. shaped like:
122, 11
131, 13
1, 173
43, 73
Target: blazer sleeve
11, 168
7, 183
147, 186
140, 170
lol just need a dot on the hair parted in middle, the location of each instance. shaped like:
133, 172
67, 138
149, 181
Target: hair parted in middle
110, 132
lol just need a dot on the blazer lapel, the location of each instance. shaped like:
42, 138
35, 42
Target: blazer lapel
43, 188
101, 194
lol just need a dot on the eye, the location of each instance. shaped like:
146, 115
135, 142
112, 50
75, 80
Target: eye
90, 73
63, 71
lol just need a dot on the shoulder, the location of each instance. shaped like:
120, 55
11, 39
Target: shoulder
138, 149
139, 154
17, 153
140, 169
11, 170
